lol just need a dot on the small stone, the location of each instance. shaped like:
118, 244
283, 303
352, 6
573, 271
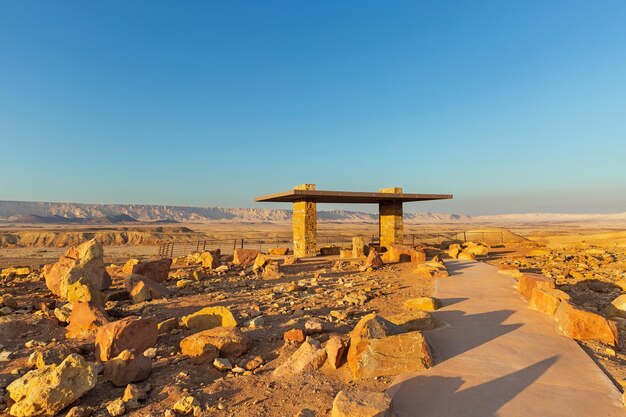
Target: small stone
335, 349
294, 335
186, 405
222, 364
168, 325
79, 411
116, 408
127, 367
6, 356
313, 326
422, 303
134, 392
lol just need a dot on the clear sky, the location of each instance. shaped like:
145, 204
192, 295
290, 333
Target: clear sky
511, 106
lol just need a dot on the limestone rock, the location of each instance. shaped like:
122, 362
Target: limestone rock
143, 289
294, 335
186, 406
361, 404
78, 292
309, 357
208, 318
127, 269
476, 249
167, 325
85, 320
466, 256
260, 261
155, 270
391, 355
422, 303
49, 356
585, 325
335, 349
413, 320
403, 253
547, 301
245, 257
527, 282
539, 253
617, 308
210, 260
272, 271
229, 342
82, 263
198, 349
46, 391
133, 333
279, 251
116, 408
127, 367
373, 260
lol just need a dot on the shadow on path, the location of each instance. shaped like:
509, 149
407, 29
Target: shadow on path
438, 396
476, 330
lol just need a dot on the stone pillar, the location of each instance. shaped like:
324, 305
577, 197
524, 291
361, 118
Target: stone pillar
390, 221
304, 225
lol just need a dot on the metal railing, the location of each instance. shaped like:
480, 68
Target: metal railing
227, 246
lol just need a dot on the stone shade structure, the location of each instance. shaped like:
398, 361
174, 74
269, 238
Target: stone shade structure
305, 198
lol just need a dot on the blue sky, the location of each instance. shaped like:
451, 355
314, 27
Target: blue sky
510, 106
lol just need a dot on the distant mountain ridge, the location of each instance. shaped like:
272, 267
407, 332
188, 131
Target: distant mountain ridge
46, 212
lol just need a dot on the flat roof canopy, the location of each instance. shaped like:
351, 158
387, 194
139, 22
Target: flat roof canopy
320, 196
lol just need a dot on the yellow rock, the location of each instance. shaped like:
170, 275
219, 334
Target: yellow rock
466, 256
422, 303
46, 391
547, 300
208, 318
127, 269
81, 293
539, 252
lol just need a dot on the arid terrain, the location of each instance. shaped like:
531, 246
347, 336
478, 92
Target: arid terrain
274, 306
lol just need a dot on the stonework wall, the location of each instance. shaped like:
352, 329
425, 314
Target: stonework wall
304, 225
390, 218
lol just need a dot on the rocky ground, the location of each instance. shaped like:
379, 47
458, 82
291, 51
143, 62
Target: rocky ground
595, 279
275, 307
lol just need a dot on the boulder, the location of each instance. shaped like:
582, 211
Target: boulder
279, 251
466, 256
46, 391
345, 253
377, 348
198, 350
140, 288
245, 257
412, 320
85, 320
127, 367
82, 263
335, 349
133, 333
422, 303
527, 282
294, 335
373, 260
309, 357
547, 301
78, 292
208, 318
127, 269
476, 249
49, 356
585, 325
391, 355
361, 404
230, 342
454, 251
271, 271
155, 270
331, 250
617, 308
209, 260
403, 253
431, 270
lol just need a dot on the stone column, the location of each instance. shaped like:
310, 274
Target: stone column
390, 219
304, 225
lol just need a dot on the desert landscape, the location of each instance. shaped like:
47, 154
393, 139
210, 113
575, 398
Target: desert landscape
251, 330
